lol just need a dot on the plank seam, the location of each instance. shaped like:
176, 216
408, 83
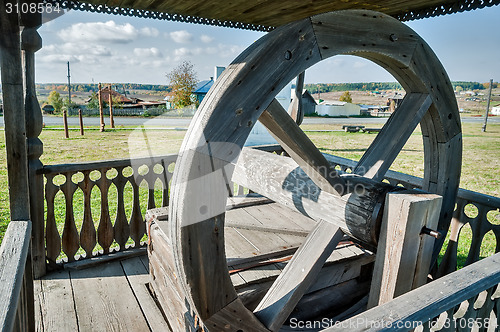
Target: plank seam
74, 303
135, 295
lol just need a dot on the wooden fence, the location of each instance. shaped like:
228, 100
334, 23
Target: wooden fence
16, 279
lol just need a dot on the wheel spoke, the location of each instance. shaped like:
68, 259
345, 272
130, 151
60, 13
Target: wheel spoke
298, 275
301, 149
393, 136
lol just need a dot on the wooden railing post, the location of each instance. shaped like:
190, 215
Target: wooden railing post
16, 280
30, 43
404, 252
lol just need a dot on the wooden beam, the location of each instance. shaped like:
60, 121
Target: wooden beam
280, 179
430, 300
31, 42
298, 275
14, 114
404, 254
386, 146
13, 258
301, 149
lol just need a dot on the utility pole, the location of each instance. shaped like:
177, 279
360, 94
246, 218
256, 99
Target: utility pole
101, 114
487, 106
69, 87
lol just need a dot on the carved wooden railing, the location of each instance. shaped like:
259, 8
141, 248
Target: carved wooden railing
96, 237
468, 300
472, 209
102, 236
16, 279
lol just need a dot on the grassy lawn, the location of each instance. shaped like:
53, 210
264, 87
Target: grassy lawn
480, 166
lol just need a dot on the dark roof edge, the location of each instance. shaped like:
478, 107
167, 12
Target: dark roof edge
142, 13
448, 8
444, 9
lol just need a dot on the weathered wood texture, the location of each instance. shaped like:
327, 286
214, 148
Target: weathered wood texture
302, 150
199, 218
399, 50
480, 224
14, 114
386, 146
225, 117
298, 275
254, 256
403, 253
280, 179
16, 280
96, 176
277, 13
445, 294
108, 297
31, 42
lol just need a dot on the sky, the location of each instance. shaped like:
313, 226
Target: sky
111, 48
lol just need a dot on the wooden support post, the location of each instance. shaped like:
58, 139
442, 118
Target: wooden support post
65, 122
404, 252
101, 113
81, 121
14, 114
31, 43
295, 109
487, 106
111, 120
11, 62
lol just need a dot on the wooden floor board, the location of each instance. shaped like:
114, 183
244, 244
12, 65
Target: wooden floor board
138, 278
104, 300
54, 298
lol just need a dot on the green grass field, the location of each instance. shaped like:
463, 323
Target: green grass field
480, 166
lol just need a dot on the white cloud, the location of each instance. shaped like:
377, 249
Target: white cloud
104, 32
150, 32
147, 52
181, 36
206, 39
183, 51
74, 53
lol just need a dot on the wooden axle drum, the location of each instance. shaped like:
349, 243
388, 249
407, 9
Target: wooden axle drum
242, 95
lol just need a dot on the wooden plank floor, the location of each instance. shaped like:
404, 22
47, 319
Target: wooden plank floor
114, 297
107, 297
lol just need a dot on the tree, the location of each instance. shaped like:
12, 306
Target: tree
94, 101
56, 101
346, 96
182, 82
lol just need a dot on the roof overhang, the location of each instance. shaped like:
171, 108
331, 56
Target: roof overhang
265, 15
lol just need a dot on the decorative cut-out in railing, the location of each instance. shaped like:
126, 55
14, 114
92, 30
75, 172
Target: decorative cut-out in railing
100, 224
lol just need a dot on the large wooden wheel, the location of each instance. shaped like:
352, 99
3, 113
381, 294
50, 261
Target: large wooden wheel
245, 93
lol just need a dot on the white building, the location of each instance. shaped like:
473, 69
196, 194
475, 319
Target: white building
337, 108
495, 110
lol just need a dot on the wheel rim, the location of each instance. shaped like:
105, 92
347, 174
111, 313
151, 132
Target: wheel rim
225, 117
